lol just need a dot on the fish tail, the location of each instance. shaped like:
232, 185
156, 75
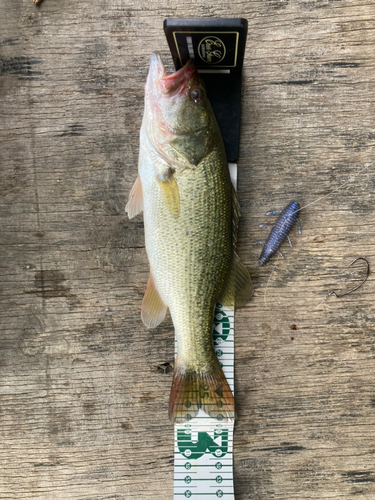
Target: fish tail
192, 390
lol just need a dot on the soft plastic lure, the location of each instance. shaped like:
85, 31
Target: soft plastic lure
279, 232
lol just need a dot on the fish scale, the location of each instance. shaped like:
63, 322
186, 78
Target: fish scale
207, 215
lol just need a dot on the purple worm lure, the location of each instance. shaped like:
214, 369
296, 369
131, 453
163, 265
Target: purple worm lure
279, 232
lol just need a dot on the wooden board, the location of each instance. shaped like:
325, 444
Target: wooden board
83, 413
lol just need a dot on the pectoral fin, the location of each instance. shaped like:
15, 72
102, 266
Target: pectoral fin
171, 194
153, 309
239, 287
135, 203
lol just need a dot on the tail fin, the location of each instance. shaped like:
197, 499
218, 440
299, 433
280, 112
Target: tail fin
208, 390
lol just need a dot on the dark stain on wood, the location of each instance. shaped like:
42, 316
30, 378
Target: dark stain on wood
278, 4
22, 66
127, 426
89, 408
360, 476
284, 449
48, 283
93, 337
9, 42
293, 82
46, 464
75, 130
33, 341
342, 64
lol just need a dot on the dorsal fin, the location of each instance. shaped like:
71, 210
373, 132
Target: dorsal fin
239, 287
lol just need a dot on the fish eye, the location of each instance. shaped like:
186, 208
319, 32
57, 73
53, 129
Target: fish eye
196, 94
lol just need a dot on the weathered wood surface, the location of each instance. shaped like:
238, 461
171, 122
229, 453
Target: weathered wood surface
83, 403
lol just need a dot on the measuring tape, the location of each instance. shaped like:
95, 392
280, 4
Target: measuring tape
203, 450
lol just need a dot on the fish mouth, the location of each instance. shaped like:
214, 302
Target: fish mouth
177, 82
173, 84
156, 71
162, 93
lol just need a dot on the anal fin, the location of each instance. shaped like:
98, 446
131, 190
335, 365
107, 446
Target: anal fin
153, 309
239, 287
135, 203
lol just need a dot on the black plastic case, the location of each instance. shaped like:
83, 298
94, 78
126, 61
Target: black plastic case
217, 47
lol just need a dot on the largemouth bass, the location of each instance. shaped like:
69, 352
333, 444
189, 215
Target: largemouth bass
190, 212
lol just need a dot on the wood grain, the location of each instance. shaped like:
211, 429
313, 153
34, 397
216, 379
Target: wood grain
83, 412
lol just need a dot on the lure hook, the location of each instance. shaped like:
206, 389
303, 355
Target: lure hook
356, 287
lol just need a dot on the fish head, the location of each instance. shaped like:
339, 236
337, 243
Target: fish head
178, 118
